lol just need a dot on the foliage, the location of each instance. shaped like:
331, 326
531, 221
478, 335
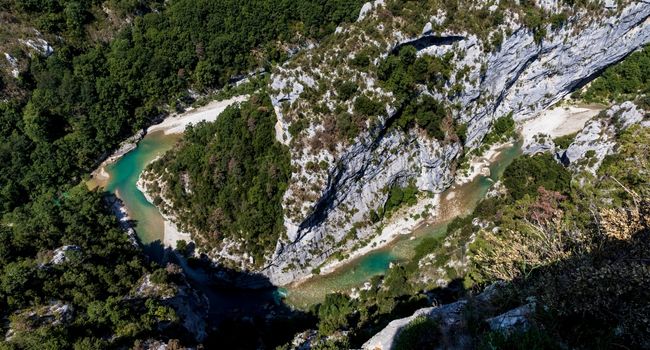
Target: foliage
565, 141
420, 334
581, 254
526, 174
386, 298
236, 172
334, 313
84, 100
428, 113
93, 278
368, 107
625, 80
346, 90
533, 339
107, 78
502, 130
400, 73
399, 196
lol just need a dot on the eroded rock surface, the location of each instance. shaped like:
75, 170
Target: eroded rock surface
522, 77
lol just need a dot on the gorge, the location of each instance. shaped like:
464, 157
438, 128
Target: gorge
324, 174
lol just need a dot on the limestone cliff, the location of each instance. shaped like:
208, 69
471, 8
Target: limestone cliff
522, 75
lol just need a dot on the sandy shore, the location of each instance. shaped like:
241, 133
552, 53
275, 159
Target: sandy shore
209, 113
558, 121
401, 223
555, 122
175, 124
480, 165
172, 234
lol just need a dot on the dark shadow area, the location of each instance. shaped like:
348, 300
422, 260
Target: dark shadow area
245, 309
428, 41
405, 306
597, 299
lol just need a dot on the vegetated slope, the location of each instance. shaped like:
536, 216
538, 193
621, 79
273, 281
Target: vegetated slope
78, 89
571, 254
408, 93
225, 181
571, 245
338, 105
84, 100
68, 275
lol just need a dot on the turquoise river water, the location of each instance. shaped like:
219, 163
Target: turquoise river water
124, 174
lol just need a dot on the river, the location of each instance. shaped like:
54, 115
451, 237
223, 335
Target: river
124, 174
356, 272
149, 226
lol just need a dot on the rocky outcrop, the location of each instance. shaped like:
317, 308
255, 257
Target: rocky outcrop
597, 139
60, 254
190, 305
523, 76
517, 319
451, 320
56, 313
119, 210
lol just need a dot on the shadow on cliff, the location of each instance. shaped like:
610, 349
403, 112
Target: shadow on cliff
405, 306
246, 311
595, 298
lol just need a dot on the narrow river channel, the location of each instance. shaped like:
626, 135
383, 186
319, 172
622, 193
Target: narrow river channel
360, 270
124, 174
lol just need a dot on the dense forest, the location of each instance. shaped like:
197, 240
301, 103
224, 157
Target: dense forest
116, 67
83, 100
226, 179
77, 299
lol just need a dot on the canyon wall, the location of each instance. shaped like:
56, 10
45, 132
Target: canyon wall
523, 77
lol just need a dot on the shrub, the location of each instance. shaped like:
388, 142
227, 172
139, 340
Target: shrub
565, 141
422, 333
334, 313
532, 339
346, 90
526, 174
368, 107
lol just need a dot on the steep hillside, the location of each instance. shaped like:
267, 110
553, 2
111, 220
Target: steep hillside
476, 81
76, 79
552, 258
571, 254
403, 99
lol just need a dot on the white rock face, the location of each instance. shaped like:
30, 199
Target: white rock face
448, 316
13, 64
39, 45
596, 140
547, 72
367, 8
450, 319
60, 254
522, 77
515, 319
